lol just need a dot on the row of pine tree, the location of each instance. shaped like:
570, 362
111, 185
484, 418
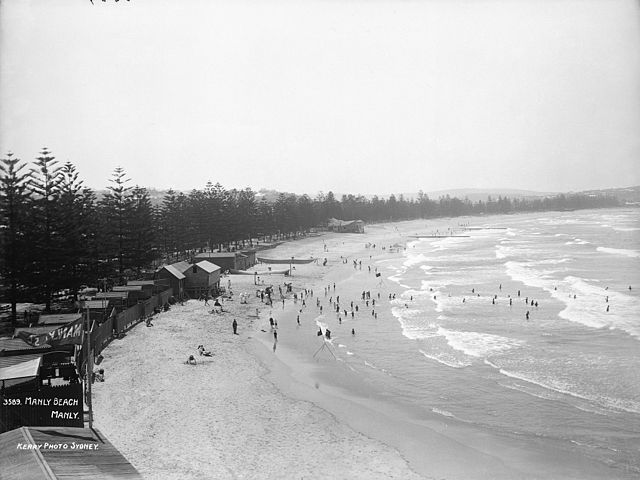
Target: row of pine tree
57, 235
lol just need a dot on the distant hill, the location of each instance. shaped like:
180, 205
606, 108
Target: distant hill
626, 195
476, 194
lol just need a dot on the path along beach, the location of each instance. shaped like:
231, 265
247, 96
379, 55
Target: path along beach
297, 410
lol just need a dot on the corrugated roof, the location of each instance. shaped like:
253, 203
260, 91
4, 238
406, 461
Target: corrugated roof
127, 288
141, 282
181, 266
175, 270
15, 359
24, 369
58, 319
208, 266
101, 462
122, 295
35, 330
215, 254
8, 345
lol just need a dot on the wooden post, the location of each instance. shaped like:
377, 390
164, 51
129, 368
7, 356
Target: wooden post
88, 365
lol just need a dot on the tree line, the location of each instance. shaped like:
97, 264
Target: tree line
58, 235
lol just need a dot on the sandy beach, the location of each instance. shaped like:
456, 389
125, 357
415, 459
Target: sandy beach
293, 411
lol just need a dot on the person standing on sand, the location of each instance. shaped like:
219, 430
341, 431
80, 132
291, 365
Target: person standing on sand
235, 327
275, 336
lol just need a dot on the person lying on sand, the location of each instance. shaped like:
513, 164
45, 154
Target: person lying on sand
204, 352
191, 360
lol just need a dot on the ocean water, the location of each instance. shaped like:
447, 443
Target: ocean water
457, 341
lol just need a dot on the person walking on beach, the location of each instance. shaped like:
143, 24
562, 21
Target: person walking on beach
275, 335
235, 327
527, 315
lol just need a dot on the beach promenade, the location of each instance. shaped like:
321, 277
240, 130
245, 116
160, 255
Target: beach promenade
261, 409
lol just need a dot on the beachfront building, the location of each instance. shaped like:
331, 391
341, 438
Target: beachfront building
202, 278
120, 300
345, 226
174, 276
135, 292
99, 310
227, 260
150, 287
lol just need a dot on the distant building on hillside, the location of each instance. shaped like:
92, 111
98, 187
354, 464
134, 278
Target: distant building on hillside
345, 226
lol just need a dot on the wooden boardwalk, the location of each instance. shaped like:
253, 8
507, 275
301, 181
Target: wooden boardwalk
63, 453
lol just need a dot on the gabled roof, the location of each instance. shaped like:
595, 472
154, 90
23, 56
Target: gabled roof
334, 222
173, 271
179, 267
208, 266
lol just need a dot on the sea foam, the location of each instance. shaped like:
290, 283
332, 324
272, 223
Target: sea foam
620, 251
476, 344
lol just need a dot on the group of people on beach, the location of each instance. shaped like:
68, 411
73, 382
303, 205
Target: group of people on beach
350, 308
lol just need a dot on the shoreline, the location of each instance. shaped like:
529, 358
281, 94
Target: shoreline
372, 436
432, 445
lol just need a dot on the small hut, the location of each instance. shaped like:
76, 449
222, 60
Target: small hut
174, 275
345, 226
202, 278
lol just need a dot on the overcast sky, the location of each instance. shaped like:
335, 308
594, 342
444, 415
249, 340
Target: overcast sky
306, 96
